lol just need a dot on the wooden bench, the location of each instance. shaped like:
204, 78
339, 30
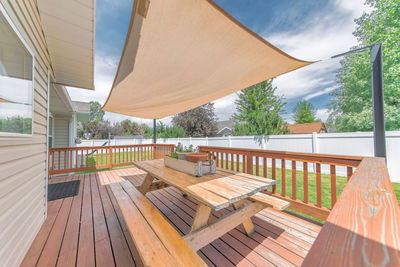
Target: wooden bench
269, 200
157, 242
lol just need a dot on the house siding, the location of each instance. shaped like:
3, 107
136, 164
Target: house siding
61, 137
23, 161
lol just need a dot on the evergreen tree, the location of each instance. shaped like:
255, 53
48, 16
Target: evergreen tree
258, 111
304, 112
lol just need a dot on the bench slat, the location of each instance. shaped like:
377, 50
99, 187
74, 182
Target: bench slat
150, 248
276, 203
157, 227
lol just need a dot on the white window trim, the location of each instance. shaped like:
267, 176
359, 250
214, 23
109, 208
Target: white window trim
25, 44
51, 131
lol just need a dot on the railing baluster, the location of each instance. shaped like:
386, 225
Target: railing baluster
70, 159
265, 166
349, 172
52, 161
305, 181
226, 161
318, 185
294, 185
76, 158
249, 166
59, 159
81, 158
217, 159
65, 159
232, 161
237, 162
257, 166
110, 157
274, 175
333, 185
283, 177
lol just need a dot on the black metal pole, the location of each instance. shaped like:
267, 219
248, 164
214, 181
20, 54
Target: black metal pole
154, 131
378, 101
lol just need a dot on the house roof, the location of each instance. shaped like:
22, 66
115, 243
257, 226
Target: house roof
69, 29
306, 128
187, 53
224, 124
81, 107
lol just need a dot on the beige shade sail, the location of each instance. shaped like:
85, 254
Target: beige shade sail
180, 54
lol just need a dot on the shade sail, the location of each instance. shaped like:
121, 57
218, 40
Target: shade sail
180, 54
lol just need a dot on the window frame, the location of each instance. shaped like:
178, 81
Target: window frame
10, 22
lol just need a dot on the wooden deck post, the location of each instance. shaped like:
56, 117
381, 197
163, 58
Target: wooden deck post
111, 157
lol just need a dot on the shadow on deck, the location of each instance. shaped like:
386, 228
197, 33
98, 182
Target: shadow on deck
88, 230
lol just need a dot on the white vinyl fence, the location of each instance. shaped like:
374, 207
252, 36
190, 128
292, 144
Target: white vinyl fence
352, 144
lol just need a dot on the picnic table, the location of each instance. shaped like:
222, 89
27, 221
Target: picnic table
213, 192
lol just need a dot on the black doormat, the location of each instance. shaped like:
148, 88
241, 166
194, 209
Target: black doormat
62, 190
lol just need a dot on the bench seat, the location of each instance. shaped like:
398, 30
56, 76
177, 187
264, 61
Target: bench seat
157, 242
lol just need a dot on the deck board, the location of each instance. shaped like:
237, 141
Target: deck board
88, 230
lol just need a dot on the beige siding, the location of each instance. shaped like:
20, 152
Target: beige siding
23, 160
61, 137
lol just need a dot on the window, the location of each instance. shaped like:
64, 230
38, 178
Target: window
16, 81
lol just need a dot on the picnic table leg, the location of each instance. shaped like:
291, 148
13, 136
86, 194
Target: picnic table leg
145, 186
247, 224
201, 217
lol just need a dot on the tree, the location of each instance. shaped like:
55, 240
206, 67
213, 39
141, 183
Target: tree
258, 111
131, 128
304, 112
197, 122
352, 101
96, 114
99, 129
165, 131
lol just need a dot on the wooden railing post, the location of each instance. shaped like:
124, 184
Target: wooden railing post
111, 157
249, 163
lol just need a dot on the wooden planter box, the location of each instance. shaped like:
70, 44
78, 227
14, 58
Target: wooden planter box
196, 169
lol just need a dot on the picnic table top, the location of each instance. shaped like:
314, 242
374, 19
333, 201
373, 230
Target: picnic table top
217, 190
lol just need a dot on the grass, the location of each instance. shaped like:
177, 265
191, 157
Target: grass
312, 195
118, 157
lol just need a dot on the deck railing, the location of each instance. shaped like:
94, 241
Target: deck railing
305, 193
363, 228
76, 159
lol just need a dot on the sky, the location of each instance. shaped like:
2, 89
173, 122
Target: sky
310, 30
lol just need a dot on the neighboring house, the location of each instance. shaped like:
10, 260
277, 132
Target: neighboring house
307, 128
224, 128
45, 45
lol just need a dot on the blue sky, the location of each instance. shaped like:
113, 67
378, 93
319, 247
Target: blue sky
306, 29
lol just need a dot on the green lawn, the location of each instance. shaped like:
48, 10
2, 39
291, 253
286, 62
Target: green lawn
120, 157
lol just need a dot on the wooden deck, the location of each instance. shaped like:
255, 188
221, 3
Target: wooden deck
88, 230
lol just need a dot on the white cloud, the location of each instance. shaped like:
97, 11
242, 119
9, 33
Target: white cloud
321, 92
225, 107
322, 114
323, 36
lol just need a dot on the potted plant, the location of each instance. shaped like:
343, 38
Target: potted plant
182, 151
186, 159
